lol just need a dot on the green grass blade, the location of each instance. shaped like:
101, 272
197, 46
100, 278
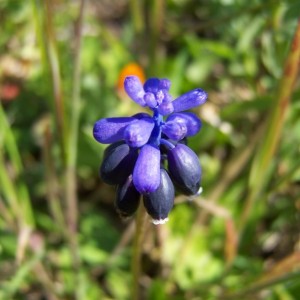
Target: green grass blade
275, 123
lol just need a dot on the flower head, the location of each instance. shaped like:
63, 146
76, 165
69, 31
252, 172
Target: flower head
135, 162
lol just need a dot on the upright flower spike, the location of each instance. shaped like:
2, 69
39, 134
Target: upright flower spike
142, 143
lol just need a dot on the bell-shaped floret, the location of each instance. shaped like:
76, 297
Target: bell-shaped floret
118, 163
137, 133
184, 169
189, 100
189, 119
111, 130
159, 203
127, 199
134, 89
174, 130
146, 173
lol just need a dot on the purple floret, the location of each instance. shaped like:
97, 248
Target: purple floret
134, 89
138, 133
190, 100
146, 173
110, 130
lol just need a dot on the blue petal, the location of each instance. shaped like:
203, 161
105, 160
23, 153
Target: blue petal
152, 85
189, 100
146, 173
192, 122
175, 130
134, 89
137, 134
110, 130
164, 84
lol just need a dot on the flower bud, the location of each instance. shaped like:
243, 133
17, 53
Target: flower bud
174, 130
164, 84
134, 89
185, 169
151, 85
189, 100
111, 130
189, 119
159, 203
127, 199
146, 172
118, 162
137, 134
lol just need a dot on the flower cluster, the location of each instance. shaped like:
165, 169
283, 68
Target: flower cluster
148, 154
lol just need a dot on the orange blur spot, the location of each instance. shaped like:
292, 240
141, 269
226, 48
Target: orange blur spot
130, 69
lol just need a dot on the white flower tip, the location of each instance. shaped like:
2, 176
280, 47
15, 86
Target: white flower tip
159, 222
199, 191
193, 197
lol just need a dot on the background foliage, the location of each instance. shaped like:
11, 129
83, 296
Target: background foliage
60, 64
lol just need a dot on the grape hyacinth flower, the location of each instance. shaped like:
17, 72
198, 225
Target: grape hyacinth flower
148, 154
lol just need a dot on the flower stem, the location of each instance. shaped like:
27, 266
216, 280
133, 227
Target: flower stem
71, 179
54, 66
156, 133
265, 154
136, 7
157, 11
137, 250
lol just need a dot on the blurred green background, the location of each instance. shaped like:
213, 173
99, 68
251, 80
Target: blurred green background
61, 64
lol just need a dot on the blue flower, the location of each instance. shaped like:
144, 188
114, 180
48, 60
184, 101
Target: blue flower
141, 143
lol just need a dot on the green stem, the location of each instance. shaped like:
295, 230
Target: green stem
249, 292
275, 122
51, 181
137, 15
71, 181
72, 146
156, 23
14, 189
264, 156
137, 250
56, 78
